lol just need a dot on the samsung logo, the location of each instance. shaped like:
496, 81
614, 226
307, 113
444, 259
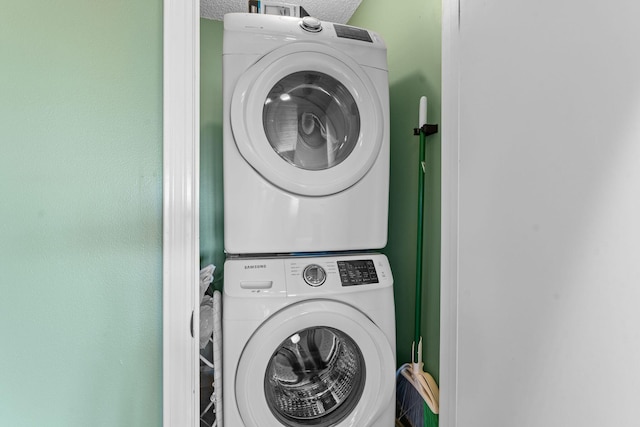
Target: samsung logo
254, 266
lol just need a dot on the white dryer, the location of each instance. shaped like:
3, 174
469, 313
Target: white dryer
309, 341
306, 136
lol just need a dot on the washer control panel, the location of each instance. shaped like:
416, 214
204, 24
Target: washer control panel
357, 272
306, 275
314, 275
331, 274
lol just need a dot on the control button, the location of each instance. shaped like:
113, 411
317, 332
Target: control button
314, 275
256, 284
311, 24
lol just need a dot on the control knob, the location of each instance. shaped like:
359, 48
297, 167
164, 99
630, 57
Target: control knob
311, 24
314, 275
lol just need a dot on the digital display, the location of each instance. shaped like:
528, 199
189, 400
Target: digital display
357, 272
352, 33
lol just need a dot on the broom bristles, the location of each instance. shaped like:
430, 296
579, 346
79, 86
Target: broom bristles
411, 409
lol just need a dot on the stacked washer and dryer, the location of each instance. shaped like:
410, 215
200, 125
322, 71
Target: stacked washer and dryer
308, 311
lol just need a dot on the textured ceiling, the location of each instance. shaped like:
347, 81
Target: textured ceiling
339, 11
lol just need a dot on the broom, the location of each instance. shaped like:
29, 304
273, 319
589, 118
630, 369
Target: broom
417, 394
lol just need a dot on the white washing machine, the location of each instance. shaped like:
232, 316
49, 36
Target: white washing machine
306, 136
309, 341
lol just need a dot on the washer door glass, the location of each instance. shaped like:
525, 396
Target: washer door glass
311, 120
314, 352
315, 377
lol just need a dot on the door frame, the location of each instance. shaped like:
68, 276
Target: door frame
450, 210
181, 206
181, 231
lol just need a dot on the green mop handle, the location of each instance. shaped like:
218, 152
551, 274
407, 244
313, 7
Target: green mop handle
421, 174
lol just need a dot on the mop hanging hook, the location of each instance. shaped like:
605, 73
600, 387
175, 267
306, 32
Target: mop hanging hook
426, 130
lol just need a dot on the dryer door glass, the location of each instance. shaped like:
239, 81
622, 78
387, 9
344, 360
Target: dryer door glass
315, 377
311, 120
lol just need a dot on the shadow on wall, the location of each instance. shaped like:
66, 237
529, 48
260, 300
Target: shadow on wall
403, 212
211, 202
211, 208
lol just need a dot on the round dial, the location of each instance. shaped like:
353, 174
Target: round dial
314, 275
311, 24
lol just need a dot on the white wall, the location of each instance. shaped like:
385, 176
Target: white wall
546, 295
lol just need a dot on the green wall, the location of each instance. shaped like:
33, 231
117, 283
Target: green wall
412, 34
80, 213
211, 215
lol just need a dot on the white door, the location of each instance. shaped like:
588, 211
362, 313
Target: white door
543, 205
308, 119
315, 363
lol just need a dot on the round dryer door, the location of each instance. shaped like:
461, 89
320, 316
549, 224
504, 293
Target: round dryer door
315, 363
308, 119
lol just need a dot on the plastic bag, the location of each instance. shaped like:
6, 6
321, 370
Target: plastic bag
206, 320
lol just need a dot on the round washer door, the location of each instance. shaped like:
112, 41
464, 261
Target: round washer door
308, 119
315, 363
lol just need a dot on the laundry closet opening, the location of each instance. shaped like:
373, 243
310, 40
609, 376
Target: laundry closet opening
412, 34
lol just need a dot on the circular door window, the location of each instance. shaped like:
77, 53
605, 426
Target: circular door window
315, 363
311, 120
315, 377
313, 133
